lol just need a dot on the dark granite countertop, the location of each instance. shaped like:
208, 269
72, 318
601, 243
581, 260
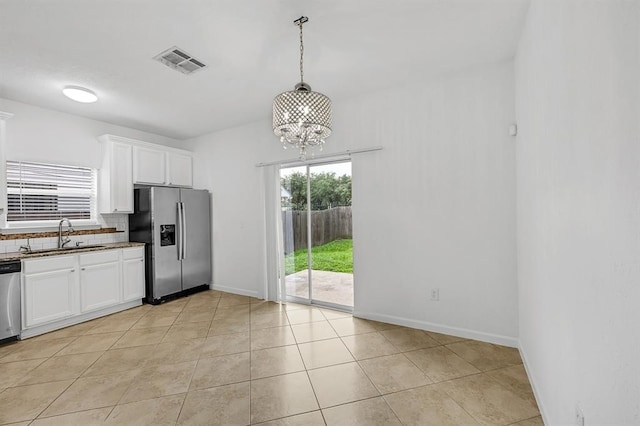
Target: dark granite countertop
73, 250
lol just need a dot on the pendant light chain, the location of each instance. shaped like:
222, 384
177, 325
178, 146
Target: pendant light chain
301, 54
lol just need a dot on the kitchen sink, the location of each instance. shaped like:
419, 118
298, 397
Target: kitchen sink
66, 249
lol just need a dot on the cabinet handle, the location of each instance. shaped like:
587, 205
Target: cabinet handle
73, 270
115, 210
82, 269
141, 260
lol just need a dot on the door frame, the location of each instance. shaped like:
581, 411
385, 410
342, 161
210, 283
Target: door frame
283, 296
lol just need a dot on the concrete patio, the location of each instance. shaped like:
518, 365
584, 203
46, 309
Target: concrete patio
331, 287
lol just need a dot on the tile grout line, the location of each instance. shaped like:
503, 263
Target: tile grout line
139, 369
186, 394
381, 395
315, 395
523, 420
417, 366
305, 370
133, 379
392, 410
53, 381
458, 403
54, 400
194, 369
67, 388
402, 353
281, 418
365, 399
145, 364
53, 356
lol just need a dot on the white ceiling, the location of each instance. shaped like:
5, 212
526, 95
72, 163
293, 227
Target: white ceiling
251, 49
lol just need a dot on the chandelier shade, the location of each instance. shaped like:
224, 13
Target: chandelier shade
302, 117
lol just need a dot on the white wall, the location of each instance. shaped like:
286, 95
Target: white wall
435, 208
44, 135
578, 209
225, 164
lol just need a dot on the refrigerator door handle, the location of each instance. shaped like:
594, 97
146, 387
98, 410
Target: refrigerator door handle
180, 231
184, 231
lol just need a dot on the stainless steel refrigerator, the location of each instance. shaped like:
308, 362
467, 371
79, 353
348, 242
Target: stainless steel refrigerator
175, 224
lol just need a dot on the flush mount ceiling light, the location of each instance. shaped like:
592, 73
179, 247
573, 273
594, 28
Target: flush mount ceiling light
80, 94
302, 118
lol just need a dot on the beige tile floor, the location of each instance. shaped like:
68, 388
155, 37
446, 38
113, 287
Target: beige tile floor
217, 358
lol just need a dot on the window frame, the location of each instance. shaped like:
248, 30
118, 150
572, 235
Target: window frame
16, 225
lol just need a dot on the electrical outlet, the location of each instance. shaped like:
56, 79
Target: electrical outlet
435, 294
579, 417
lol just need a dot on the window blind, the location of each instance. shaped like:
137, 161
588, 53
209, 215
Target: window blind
48, 192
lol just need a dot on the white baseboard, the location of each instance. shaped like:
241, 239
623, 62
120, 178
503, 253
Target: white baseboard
439, 328
56, 325
234, 290
536, 393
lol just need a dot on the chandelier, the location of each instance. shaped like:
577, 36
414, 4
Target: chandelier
302, 117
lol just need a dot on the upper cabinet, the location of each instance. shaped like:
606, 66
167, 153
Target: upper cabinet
179, 169
127, 162
115, 180
148, 166
162, 167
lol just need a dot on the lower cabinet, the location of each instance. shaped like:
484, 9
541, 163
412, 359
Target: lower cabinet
58, 291
49, 290
132, 274
99, 280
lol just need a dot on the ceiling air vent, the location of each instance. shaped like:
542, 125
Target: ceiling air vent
179, 60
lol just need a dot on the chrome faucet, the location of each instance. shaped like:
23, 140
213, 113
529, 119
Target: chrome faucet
64, 240
26, 248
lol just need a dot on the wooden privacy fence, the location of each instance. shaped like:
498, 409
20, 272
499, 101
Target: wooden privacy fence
326, 226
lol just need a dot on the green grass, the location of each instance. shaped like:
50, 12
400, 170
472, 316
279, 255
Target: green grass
336, 256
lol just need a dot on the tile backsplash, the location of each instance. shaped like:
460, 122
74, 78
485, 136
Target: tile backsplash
118, 221
115, 229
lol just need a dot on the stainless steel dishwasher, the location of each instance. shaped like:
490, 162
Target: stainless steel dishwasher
10, 324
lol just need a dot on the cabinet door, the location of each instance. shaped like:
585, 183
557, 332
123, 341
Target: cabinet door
148, 166
179, 170
121, 178
48, 296
133, 279
99, 286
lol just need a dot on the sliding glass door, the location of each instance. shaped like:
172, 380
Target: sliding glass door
317, 234
294, 201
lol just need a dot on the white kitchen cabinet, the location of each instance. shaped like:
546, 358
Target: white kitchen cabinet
62, 290
179, 169
162, 167
133, 274
115, 183
100, 285
49, 289
148, 166
128, 161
